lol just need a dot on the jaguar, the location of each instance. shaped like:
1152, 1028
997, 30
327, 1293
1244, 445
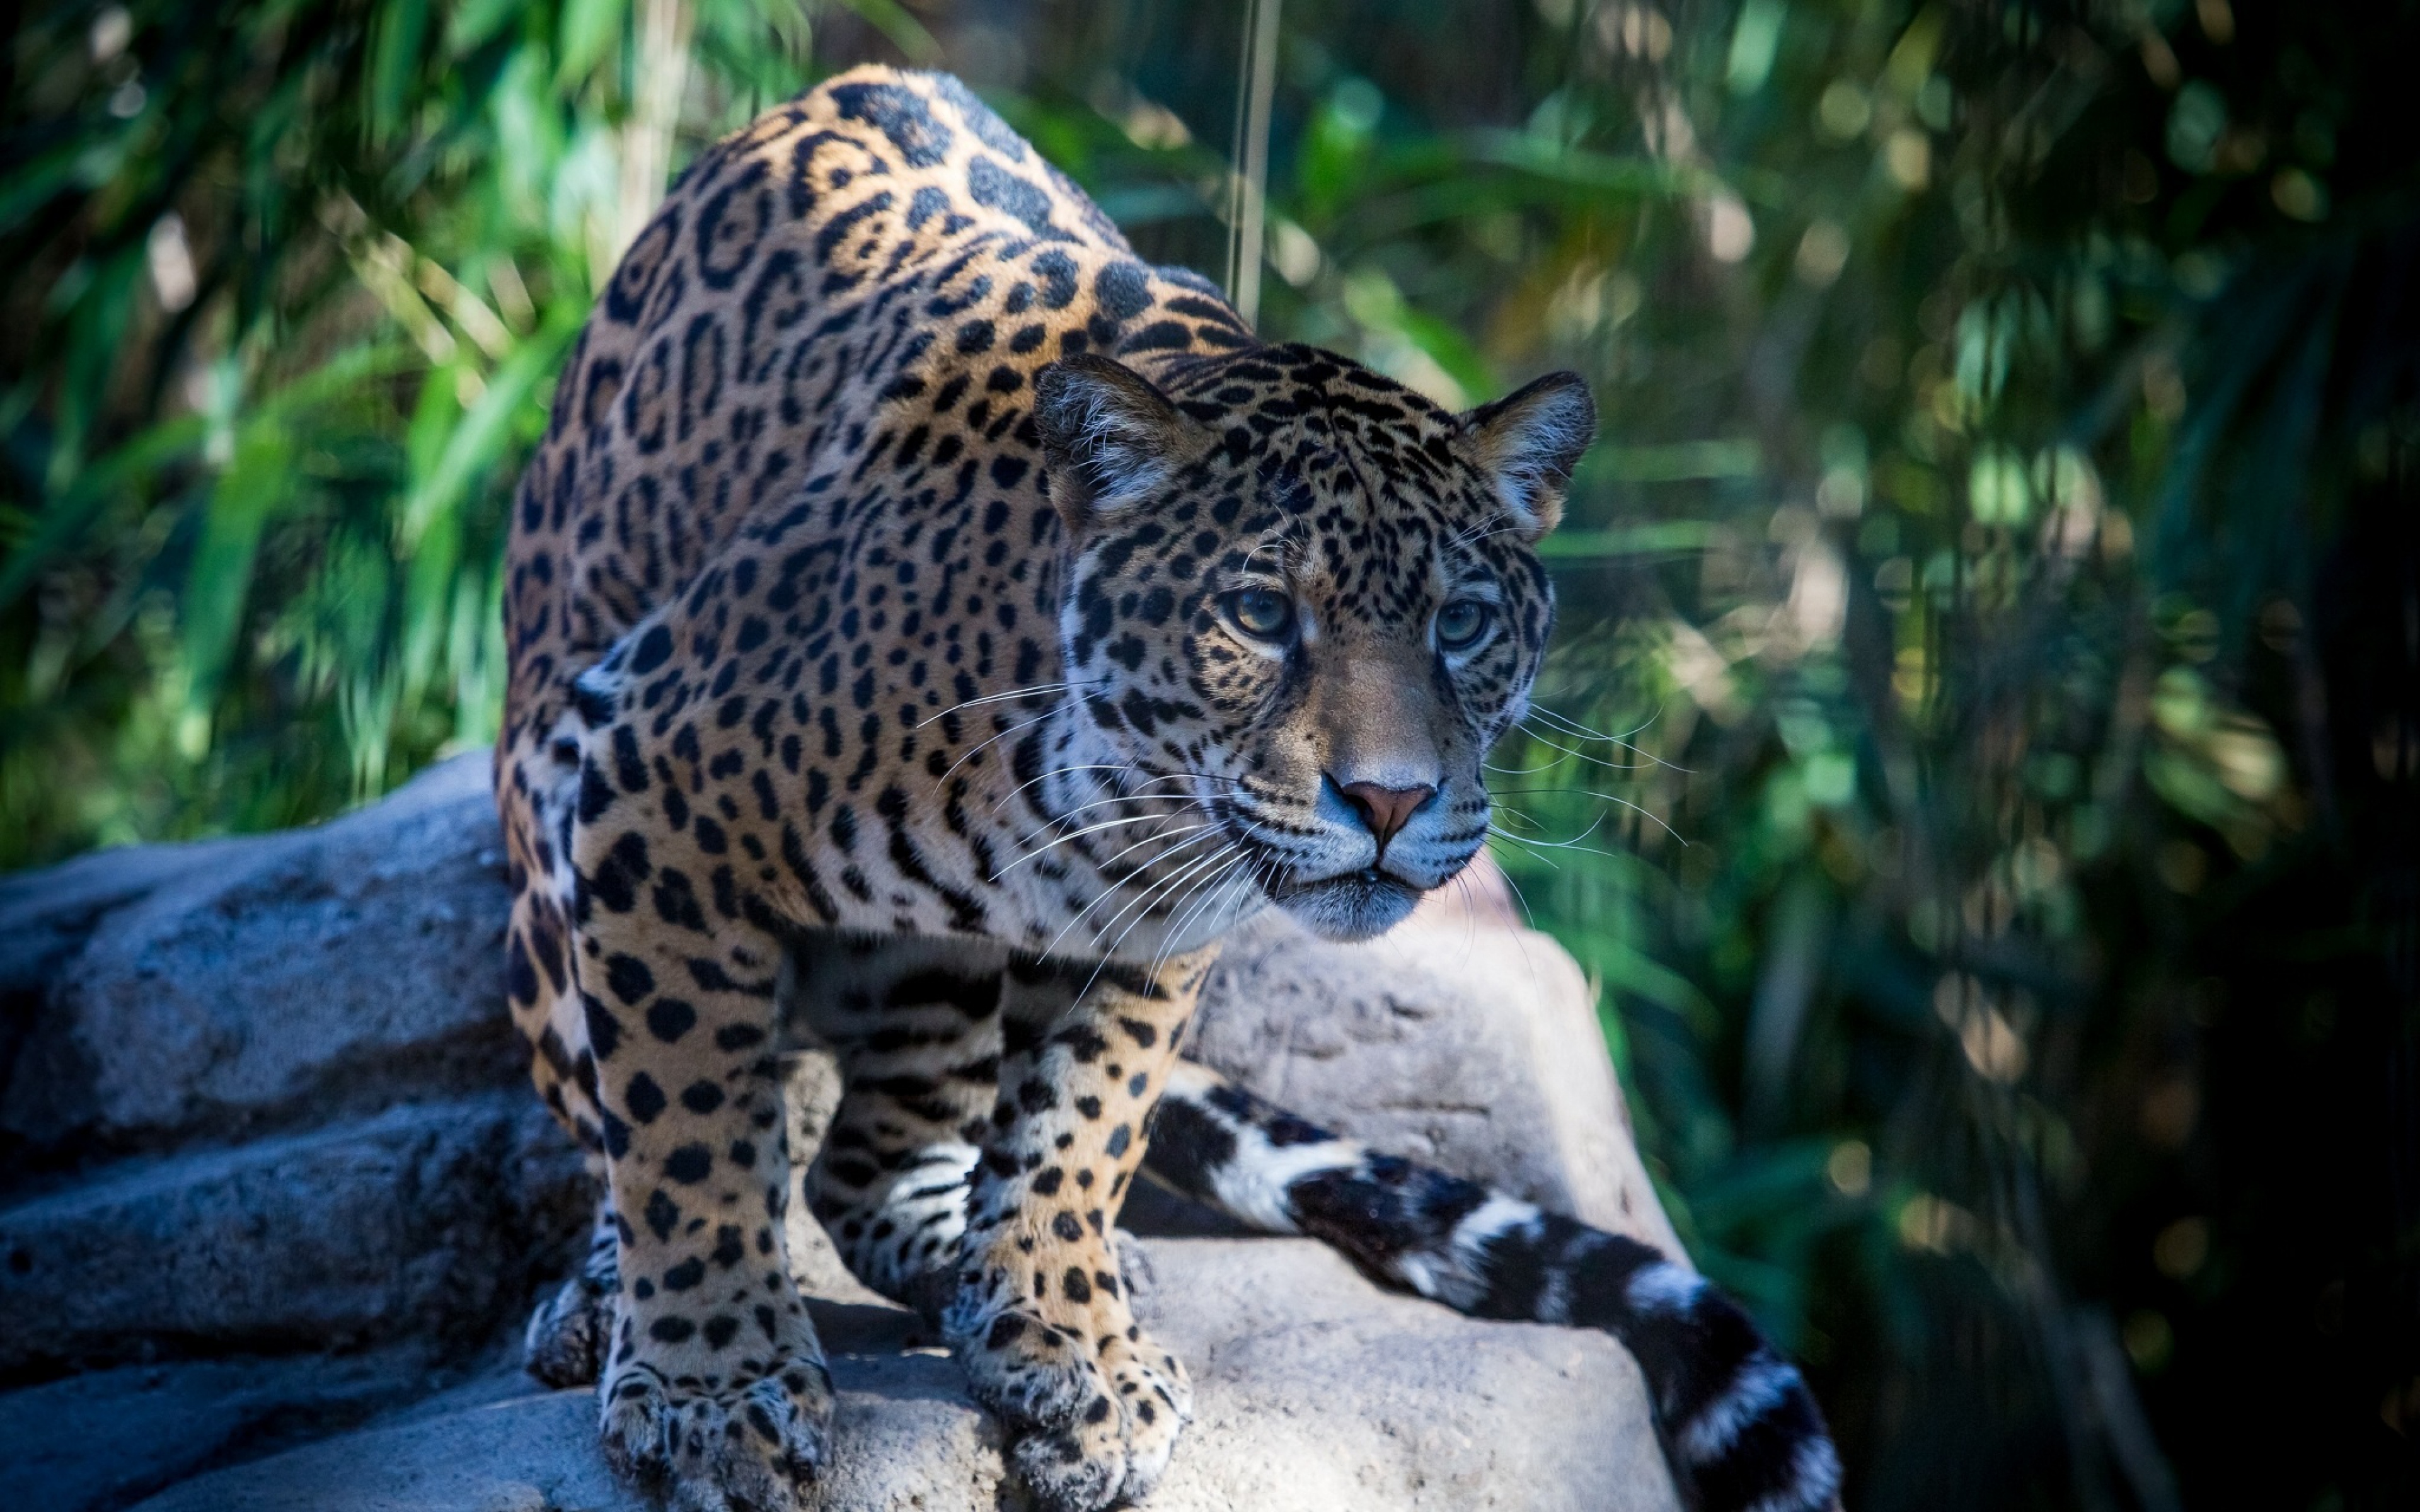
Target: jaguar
931, 631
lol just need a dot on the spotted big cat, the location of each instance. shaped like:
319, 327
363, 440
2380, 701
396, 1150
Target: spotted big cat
932, 629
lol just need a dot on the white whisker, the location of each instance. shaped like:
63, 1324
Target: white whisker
1566, 724
1208, 892
1616, 766
1524, 846
1113, 889
1034, 692
1094, 829
1111, 766
1528, 917
1060, 771
1143, 903
1181, 800
1525, 771
1648, 814
1572, 844
969, 754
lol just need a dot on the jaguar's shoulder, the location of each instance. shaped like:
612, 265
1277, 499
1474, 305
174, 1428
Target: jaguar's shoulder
928, 141
864, 282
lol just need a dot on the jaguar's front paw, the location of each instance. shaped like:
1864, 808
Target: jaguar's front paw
1095, 1405
738, 1442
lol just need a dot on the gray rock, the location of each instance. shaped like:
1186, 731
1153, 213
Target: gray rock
237, 986
46, 916
1313, 1391
207, 990
1459, 1040
108, 1437
420, 1223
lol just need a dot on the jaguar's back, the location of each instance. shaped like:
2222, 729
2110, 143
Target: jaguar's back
748, 348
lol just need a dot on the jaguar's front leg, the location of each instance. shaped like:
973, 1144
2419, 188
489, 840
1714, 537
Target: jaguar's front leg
715, 1383
1040, 1320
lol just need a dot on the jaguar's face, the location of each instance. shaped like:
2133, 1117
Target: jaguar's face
1311, 600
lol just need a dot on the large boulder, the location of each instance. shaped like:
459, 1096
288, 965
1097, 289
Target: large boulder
1459, 1040
218, 991
108, 1437
420, 1223
1311, 1393
270, 1169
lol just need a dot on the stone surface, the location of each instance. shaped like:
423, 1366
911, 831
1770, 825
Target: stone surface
1459, 1040
1315, 1392
240, 985
419, 1222
109, 1437
270, 1166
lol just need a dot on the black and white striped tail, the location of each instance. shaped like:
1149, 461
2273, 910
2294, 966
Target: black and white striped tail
1738, 1425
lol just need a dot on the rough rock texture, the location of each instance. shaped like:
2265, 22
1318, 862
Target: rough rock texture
413, 1224
107, 1438
270, 1169
1459, 1040
223, 989
1313, 1394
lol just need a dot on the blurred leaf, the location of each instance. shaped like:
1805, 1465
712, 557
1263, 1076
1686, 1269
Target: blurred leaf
55, 529
254, 483
589, 29
472, 448
900, 28
401, 30
1635, 540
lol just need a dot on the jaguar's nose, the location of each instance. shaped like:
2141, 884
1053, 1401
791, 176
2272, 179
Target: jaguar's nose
1386, 811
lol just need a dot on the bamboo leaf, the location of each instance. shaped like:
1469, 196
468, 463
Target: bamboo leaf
401, 30
130, 464
472, 24
589, 30
899, 27
256, 483
472, 447
1663, 537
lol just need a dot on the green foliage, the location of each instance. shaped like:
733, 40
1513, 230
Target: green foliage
299, 279
1979, 757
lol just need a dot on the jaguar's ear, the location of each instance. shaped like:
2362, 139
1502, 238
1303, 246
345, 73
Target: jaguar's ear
1109, 438
1529, 441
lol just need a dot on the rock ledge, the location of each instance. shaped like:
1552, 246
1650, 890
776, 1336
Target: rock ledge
274, 1198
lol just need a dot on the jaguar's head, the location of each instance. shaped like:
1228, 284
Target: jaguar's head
1311, 599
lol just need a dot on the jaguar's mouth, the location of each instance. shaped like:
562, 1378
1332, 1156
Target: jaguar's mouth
1352, 905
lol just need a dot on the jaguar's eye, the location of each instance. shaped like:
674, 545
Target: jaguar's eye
1262, 614
1460, 624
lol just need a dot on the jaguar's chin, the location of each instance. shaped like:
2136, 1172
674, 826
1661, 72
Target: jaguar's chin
1353, 906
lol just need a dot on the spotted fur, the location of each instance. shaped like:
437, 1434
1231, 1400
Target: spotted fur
931, 629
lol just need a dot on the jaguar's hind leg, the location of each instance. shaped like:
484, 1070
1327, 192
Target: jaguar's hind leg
915, 1024
569, 1333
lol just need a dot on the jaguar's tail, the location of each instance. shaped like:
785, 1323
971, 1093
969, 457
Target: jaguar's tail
1738, 1425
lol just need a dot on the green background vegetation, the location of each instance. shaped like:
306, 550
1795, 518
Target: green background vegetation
1999, 566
